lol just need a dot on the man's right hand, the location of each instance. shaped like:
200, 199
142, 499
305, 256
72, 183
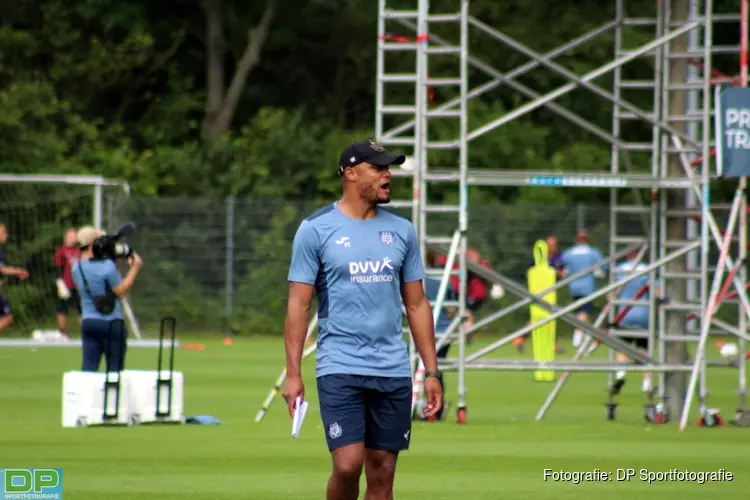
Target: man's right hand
292, 388
135, 260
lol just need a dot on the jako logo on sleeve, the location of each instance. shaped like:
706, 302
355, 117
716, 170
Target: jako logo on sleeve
371, 271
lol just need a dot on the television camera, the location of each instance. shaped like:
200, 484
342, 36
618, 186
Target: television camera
109, 246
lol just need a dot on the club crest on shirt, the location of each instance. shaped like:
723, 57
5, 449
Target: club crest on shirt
387, 238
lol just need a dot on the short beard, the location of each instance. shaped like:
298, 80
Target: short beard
370, 194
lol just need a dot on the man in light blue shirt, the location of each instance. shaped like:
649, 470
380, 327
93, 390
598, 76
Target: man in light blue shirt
574, 260
636, 317
103, 333
362, 262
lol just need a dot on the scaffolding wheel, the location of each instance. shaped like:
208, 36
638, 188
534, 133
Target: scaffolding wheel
650, 413
461, 414
661, 417
611, 410
656, 414
711, 418
741, 418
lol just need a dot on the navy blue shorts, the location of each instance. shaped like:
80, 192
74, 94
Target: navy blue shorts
587, 308
375, 411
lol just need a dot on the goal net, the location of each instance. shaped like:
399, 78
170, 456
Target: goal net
36, 211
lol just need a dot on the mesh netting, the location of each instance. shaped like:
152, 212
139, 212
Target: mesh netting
36, 216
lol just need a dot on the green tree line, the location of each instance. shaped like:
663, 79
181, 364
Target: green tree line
203, 99
256, 99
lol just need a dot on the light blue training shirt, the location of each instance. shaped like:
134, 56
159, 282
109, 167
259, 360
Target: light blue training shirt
97, 271
576, 259
432, 287
357, 268
637, 316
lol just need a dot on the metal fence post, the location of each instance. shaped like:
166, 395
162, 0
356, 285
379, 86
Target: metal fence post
110, 226
229, 278
580, 217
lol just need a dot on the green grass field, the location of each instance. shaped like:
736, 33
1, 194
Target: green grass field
500, 454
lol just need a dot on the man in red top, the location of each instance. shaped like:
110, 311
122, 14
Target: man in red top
476, 287
65, 256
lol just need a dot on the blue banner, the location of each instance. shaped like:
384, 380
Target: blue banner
733, 132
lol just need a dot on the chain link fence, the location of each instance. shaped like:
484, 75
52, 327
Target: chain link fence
220, 265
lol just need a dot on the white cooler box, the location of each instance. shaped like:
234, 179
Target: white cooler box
83, 400
143, 392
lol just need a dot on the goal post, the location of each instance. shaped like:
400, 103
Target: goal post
96, 184
36, 211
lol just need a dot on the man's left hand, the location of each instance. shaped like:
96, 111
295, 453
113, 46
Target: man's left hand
23, 274
434, 394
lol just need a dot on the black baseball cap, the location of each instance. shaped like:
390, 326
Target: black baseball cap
367, 151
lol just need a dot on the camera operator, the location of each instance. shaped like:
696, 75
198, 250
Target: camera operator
100, 288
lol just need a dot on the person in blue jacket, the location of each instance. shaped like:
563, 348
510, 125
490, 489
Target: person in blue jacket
575, 259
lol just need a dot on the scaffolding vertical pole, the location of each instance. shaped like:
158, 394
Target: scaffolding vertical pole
663, 16
707, 98
701, 138
693, 101
705, 319
742, 383
675, 275
380, 71
463, 215
419, 187
656, 195
421, 134
615, 163
663, 21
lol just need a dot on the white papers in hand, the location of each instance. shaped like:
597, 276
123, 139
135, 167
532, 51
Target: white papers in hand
300, 409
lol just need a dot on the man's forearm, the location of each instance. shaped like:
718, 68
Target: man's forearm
10, 271
127, 283
423, 333
295, 331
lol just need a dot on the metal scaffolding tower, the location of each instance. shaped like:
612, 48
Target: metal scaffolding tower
418, 140
676, 160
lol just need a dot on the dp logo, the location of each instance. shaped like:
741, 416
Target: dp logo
30, 484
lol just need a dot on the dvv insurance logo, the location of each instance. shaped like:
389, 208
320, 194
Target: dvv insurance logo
31, 484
